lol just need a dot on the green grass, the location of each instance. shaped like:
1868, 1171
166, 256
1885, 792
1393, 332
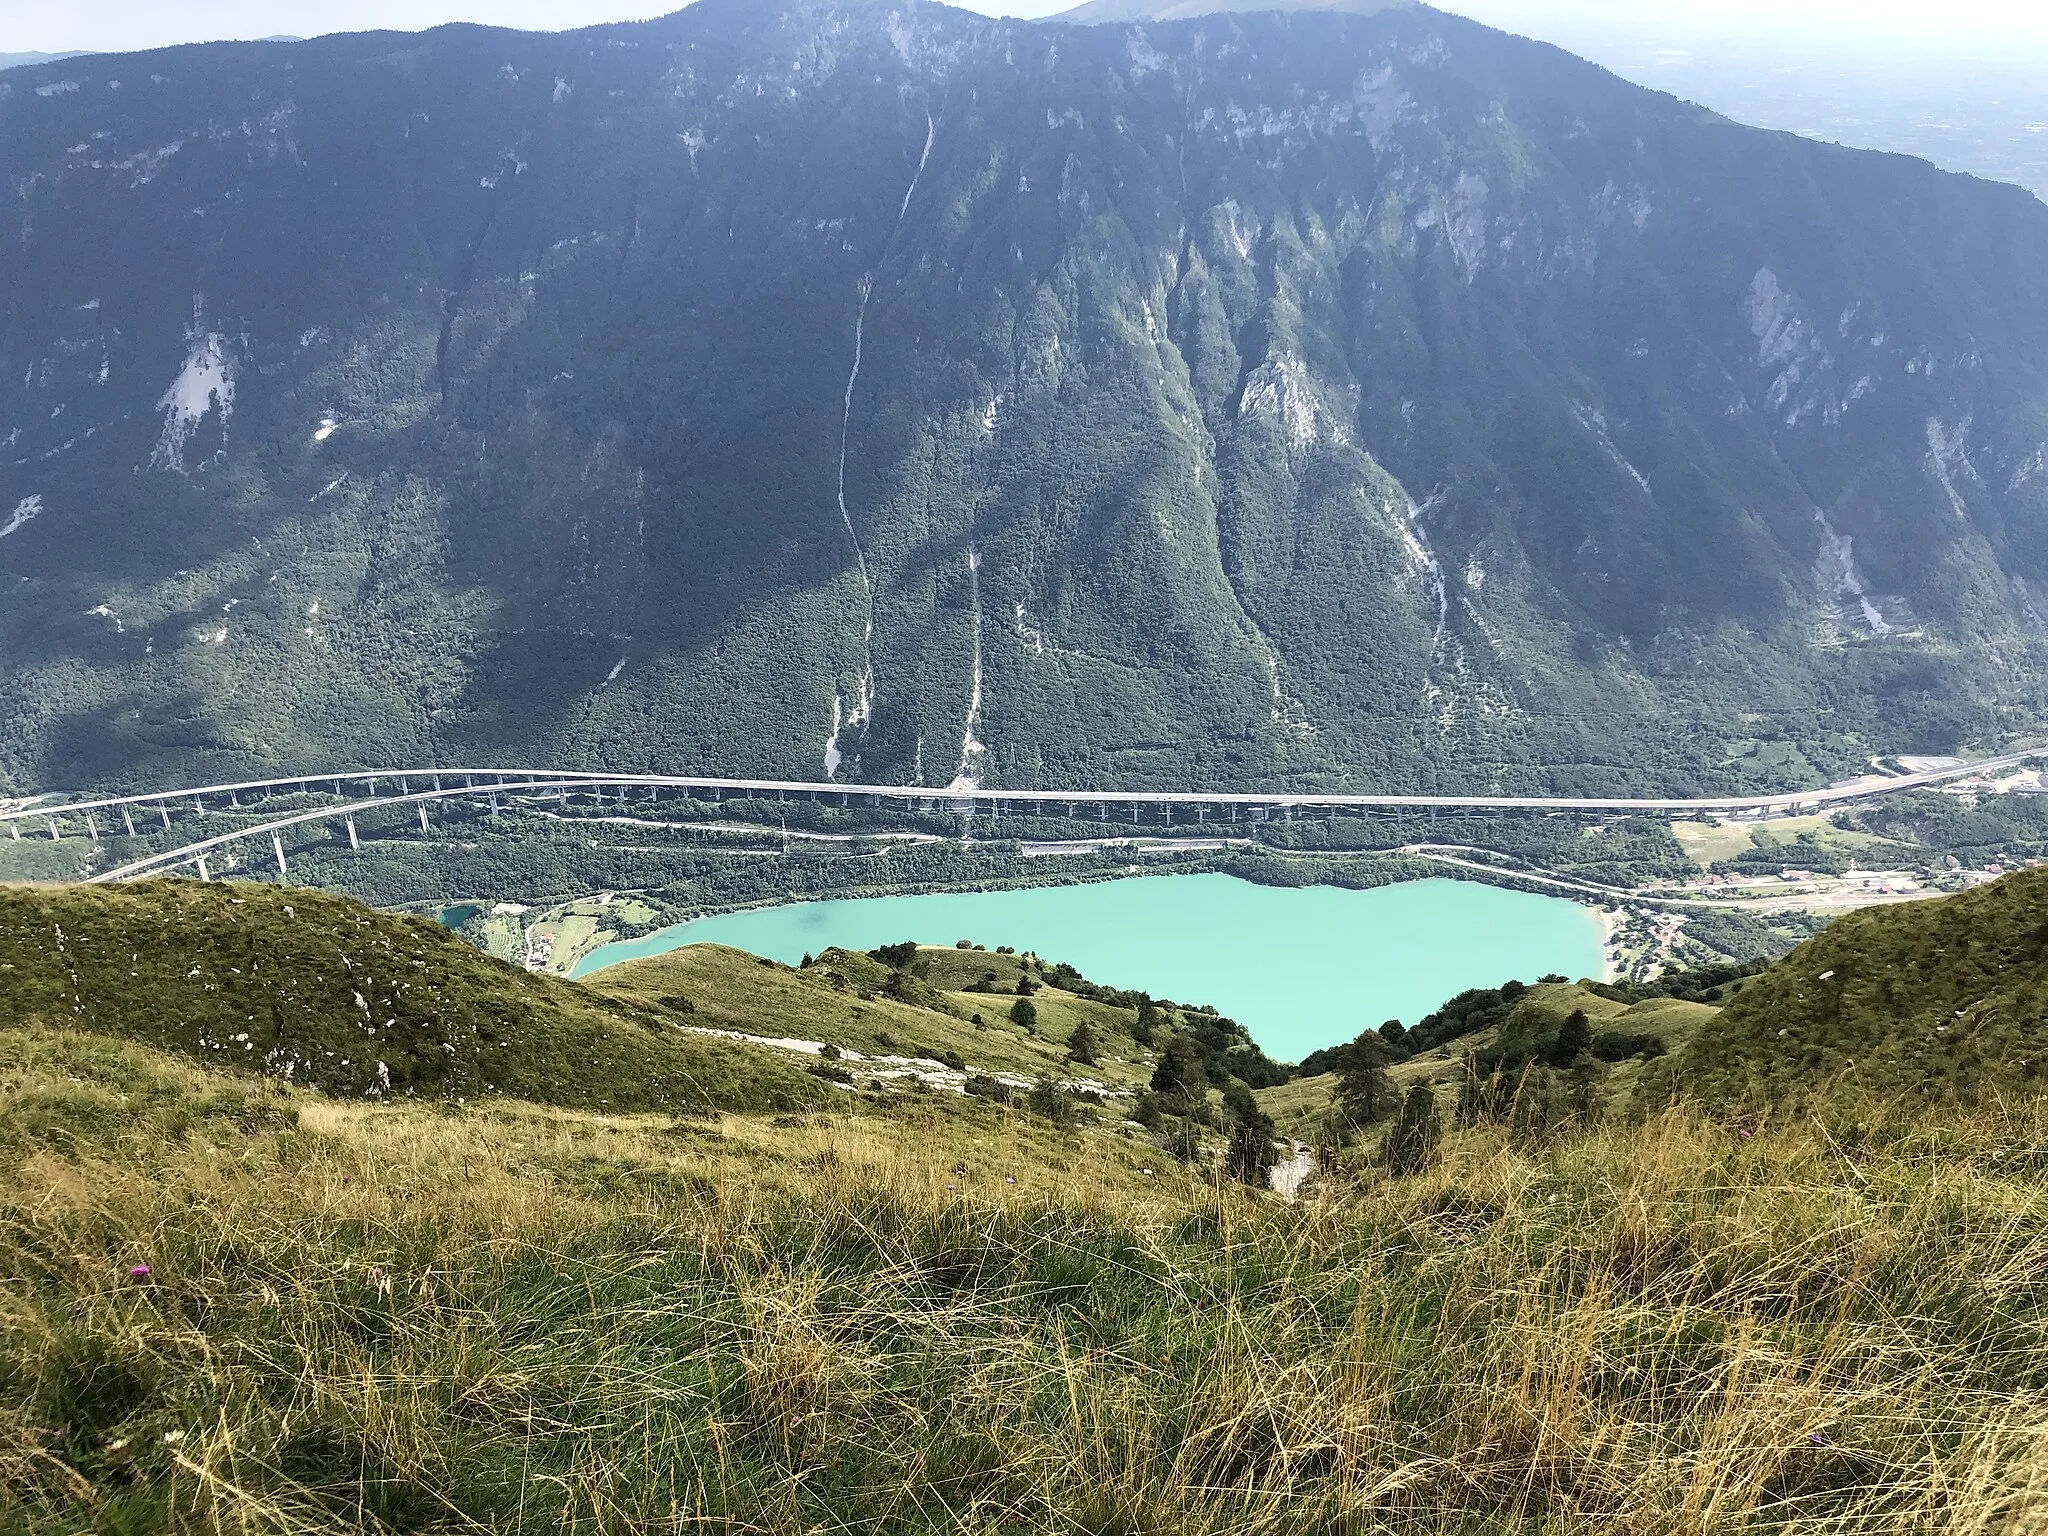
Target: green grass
954, 969
1298, 1107
377, 1317
1926, 1001
840, 1000
926, 1313
330, 993
1787, 832
1707, 843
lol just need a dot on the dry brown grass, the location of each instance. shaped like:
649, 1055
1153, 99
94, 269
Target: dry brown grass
385, 1318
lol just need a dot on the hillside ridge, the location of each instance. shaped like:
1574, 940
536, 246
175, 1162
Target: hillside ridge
1927, 1002
320, 990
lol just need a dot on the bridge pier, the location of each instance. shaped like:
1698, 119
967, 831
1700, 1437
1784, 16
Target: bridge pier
129, 817
423, 821
353, 841
201, 862
277, 847
15, 828
165, 812
55, 835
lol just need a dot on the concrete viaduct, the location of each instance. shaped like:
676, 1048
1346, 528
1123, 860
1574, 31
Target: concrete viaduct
353, 793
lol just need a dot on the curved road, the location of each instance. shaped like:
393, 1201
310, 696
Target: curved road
362, 791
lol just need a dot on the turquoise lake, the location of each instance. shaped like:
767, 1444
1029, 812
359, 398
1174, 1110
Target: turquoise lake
1299, 968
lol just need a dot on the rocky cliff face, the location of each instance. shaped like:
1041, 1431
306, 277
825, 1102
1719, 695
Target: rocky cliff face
886, 390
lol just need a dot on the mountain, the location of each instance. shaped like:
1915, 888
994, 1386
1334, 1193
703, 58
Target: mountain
1096, 12
1968, 109
16, 60
801, 387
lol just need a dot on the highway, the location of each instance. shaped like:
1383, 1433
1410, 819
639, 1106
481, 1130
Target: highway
356, 792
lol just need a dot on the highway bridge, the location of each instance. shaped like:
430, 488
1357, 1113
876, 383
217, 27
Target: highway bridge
345, 796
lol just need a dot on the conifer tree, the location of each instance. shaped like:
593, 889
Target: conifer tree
1585, 1081
1250, 1156
1181, 1075
1413, 1141
1574, 1039
1148, 1020
1365, 1092
1472, 1089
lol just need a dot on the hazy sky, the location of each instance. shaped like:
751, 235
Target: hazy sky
1986, 28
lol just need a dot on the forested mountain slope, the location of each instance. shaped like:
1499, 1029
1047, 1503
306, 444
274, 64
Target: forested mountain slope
783, 387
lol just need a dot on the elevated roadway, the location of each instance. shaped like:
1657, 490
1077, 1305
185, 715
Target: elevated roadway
354, 793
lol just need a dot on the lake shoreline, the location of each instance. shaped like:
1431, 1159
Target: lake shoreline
1611, 920
1301, 966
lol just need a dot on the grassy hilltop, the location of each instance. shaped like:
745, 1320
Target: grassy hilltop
903, 1309
1943, 999
322, 990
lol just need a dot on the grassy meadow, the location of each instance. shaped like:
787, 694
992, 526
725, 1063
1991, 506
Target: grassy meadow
940, 1315
676, 1283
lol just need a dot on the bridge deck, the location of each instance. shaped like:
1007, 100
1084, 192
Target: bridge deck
949, 798
512, 781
